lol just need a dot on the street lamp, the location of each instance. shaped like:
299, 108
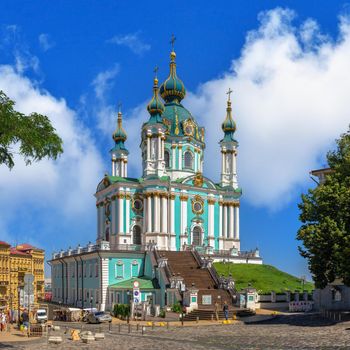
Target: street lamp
129, 303
91, 300
19, 303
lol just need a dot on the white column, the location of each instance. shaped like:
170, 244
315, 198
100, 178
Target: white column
225, 221
149, 214
173, 157
145, 211
183, 216
211, 219
220, 220
172, 214
148, 148
180, 158
127, 214
114, 217
113, 168
237, 222
222, 162
121, 215
164, 213
156, 214
125, 168
231, 222
159, 148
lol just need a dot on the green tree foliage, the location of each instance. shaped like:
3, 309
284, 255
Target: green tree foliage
325, 217
34, 135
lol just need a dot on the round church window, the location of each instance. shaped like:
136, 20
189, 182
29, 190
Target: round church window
198, 207
137, 205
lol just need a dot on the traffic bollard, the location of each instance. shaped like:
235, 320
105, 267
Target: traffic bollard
119, 326
197, 319
129, 328
109, 327
137, 327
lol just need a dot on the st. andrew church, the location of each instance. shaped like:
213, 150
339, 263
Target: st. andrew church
173, 204
172, 207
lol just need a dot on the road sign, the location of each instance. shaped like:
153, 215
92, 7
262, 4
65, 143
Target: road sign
136, 284
28, 278
136, 296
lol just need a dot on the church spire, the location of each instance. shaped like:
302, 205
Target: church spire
173, 89
229, 149
155, 106
119, 153
229, 126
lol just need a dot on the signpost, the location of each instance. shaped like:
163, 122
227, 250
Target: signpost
136, 292
28, 294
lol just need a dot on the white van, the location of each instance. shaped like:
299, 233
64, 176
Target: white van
41, 315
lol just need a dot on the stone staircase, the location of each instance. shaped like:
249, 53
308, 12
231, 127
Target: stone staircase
186, 265
209, 314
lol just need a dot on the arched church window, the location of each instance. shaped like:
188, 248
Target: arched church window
136, 234
188, 158
167, 159
197, 236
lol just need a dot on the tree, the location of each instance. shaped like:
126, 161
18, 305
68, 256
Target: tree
325, 217
34, 133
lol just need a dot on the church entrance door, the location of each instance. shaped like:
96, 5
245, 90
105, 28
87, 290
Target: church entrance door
197, 236
136, 235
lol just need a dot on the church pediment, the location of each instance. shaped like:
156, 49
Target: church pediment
198, 180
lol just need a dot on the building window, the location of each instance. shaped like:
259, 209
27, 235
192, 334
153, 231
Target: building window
96, 272
134, 269
188, 159
136, 234
167, 159
90, 270
119, 270
196, 236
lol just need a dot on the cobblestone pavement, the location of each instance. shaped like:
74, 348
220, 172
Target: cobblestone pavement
283, 332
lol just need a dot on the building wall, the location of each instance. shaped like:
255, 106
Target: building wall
325, 299
124, 268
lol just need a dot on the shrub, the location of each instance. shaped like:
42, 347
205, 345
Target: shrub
121, 310
162, 313
176, 308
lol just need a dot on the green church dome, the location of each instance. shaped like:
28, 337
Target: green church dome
119, 135
155, 106
229, 126
173, 89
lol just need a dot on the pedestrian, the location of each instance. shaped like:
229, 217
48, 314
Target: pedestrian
216, 309
225, 309
25, 318
1, 325
3, 321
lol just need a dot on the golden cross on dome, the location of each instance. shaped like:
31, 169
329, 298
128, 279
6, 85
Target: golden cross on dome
172, 41
155, 70
229, 92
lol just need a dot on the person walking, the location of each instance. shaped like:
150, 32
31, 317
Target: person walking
225, 309
216, 309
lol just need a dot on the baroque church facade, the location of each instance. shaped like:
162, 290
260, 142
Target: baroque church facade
173, 204
147, 225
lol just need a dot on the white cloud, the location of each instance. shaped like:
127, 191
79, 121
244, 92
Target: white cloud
61, 188
132, 41
104, 81
291, 100
45, 41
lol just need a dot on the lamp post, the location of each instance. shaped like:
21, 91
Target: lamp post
91, 300
129, 303
19, 304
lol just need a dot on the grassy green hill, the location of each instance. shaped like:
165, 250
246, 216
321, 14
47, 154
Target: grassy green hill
264, 278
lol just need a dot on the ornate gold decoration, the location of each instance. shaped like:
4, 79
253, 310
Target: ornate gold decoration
172, 196
167, 124
202, 134
183, 197
137, 198
211, 201
188, 127
197, 134
107, 205
198, 180
179, 147
173, 146
176, 125
128, 196
197, 205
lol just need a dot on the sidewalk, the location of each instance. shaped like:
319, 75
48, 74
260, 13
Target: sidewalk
14, 335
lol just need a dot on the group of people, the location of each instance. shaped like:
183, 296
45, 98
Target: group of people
3, 321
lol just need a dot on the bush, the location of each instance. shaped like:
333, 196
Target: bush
176, 308
162, 313
121, 310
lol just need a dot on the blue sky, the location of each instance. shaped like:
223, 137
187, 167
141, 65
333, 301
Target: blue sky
285, 60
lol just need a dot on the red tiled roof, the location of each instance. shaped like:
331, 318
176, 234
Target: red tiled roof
4, 243
26, 246
14, 251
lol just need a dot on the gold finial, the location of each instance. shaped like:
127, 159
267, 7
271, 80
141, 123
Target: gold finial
119, 114
229, 92
155, 71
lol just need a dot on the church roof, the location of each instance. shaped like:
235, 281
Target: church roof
144, 283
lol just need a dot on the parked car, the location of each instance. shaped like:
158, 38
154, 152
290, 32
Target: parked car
41, 315
99, 317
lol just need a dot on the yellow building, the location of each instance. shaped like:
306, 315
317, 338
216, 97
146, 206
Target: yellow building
15, 262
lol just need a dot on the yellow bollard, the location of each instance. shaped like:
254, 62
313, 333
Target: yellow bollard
149, 324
